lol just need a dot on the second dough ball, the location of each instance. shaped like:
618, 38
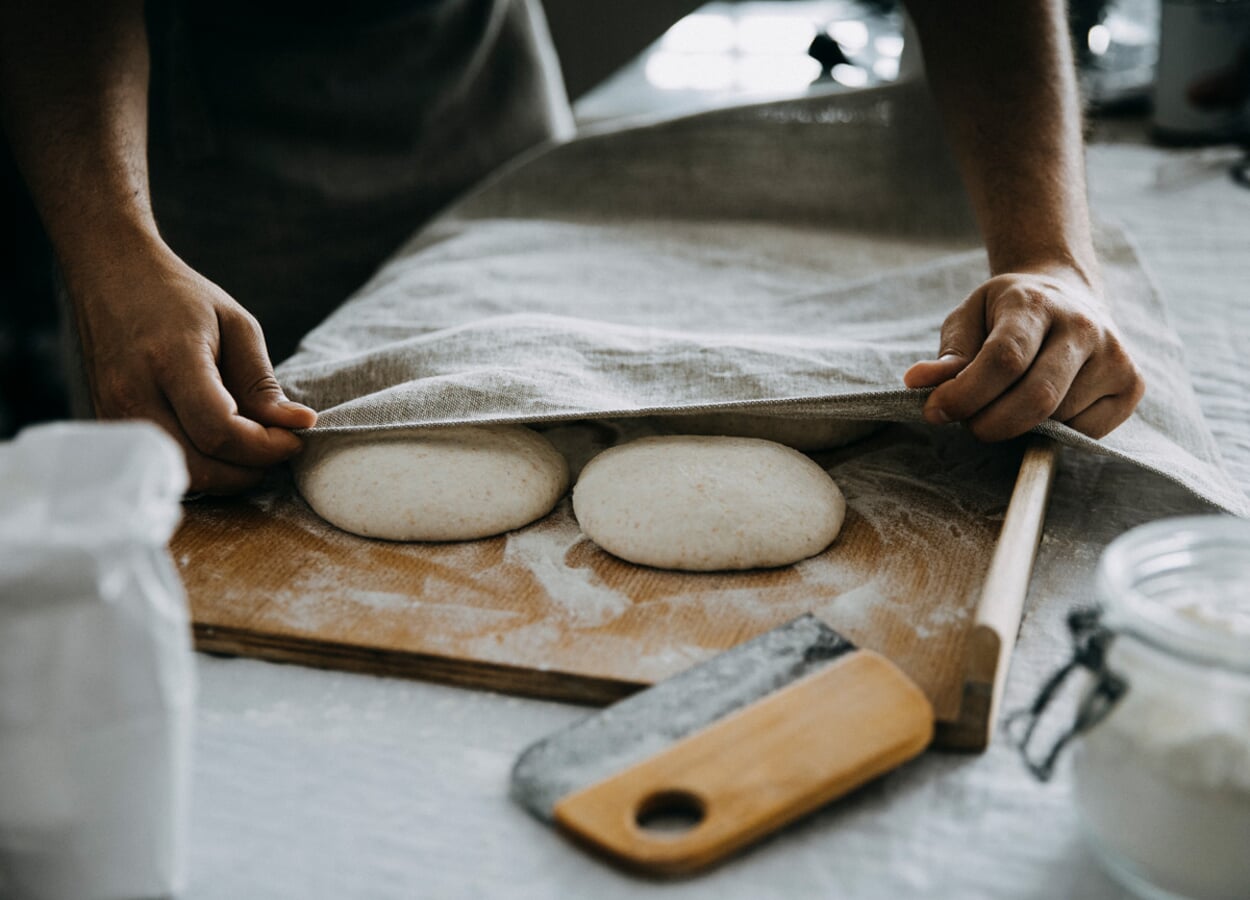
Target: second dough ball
707, 503
432, 484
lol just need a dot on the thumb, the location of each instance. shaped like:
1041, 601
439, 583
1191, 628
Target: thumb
963, 333
248, 375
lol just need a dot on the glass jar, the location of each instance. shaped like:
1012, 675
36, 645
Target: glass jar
1163, 781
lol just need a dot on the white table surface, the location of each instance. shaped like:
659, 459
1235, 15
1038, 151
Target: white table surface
312, 784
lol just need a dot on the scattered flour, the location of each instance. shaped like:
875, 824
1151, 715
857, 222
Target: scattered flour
542, 548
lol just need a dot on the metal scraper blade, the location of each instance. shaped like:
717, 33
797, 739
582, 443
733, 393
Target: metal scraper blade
638, 727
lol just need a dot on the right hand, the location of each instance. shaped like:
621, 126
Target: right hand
1025, 347
161, 342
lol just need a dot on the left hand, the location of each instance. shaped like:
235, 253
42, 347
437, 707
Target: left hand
1025, 347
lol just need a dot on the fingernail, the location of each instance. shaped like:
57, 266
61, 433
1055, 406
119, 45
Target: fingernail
947, 357
934, 415
291, 404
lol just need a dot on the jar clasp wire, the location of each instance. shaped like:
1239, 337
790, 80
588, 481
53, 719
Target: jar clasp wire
1091, 640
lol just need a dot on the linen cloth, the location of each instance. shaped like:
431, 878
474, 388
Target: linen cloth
790, 258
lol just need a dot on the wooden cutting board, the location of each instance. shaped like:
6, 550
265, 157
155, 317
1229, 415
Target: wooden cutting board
919, 573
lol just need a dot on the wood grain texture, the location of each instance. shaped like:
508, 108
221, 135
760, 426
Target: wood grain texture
544, 612
758, 769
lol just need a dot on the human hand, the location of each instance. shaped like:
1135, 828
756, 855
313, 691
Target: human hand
163, 343
1024, 347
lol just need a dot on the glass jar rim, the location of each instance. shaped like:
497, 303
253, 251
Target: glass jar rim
1128, 609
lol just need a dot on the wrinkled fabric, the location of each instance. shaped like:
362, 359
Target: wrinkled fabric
792, 258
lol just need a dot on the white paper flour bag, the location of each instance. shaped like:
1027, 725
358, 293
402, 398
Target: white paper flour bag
97, 680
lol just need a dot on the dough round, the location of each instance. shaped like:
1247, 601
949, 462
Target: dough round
443, 484
705, 503
801, 434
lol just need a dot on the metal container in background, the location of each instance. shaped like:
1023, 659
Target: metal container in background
1202, 86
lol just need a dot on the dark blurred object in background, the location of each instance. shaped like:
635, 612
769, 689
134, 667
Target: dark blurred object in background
1202, 92
31, 387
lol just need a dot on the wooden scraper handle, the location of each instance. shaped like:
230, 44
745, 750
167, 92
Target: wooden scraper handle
756, 769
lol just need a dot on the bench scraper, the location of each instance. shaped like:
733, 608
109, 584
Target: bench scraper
735, 747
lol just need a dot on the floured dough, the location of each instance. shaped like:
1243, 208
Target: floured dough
443, 484
801, 434
701, 503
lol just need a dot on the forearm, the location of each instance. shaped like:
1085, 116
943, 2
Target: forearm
1002, 74
73, 98
160, 341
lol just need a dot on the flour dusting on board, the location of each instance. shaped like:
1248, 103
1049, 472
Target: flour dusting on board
940, 499
542, 549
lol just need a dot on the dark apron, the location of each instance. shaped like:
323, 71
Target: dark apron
290, 152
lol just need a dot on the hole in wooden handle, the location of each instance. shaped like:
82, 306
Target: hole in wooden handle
670, 813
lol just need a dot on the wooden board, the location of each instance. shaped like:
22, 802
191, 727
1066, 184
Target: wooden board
544, 612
